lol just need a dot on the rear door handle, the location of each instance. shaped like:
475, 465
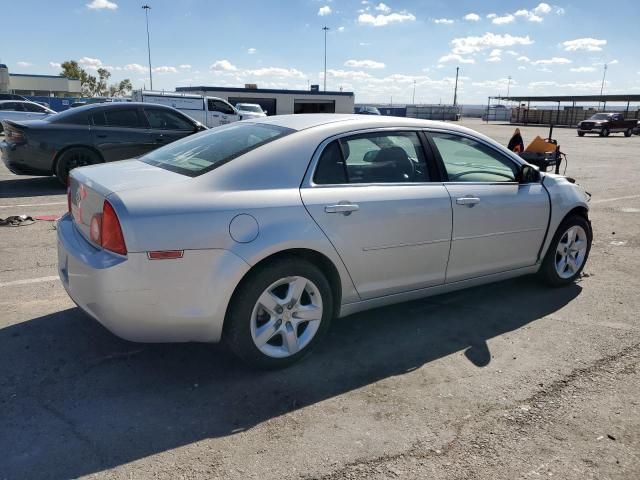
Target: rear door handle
468, 201
344, 208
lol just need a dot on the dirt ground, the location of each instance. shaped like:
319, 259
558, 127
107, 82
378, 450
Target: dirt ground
506, 381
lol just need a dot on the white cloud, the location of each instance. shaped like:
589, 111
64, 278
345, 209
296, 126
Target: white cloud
453, 57
136, 67
472, 17
251, 51
551, 61
513, 53
542, 9
184, 66
363, 64
494, 84
503, 20
383, 8
24, 64
523, 59
55, 65
494, 59
346, 74
165, 69
90, 62
382, 20
587, 44
522, 67
102, 5
496, 52
276, 72
224, 65
445, 21
583, 69
466, 45
340, 29
323, 11
492, 15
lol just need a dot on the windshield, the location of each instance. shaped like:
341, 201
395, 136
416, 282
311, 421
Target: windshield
600, 116
249, 108
201, 153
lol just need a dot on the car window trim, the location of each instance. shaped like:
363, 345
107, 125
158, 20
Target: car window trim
308, 182
177, 113
443, 169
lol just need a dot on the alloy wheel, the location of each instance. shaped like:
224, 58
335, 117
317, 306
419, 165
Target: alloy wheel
286, 317
571, 252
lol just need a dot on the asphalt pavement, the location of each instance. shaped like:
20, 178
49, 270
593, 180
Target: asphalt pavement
510, 380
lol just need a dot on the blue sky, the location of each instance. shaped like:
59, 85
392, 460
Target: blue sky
376, 49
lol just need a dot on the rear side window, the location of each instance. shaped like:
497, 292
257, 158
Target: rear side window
12, 106
127, 118
33, 107
201, 153
166, 120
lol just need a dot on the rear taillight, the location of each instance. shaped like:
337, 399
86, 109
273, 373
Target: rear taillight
105, 230
13, 135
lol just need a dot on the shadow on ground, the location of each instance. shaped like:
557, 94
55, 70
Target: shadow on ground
75, 400
30, 187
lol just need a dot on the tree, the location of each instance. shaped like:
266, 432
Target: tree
92, 86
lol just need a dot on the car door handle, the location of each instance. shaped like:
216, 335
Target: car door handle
344, 208
468, 201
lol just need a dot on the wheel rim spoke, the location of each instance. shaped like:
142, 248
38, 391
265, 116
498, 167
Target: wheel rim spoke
296, 288
266, 332
290, 339
269, 302
307, 313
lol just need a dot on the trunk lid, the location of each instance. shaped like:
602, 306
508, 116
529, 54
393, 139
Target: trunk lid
90, 186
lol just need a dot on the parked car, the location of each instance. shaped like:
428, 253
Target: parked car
605, 123
11, 96
22, 110
368, 111
636, 130
250, 110
210, 111
259, 233
90, 134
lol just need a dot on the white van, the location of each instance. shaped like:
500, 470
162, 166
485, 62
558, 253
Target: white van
210, 111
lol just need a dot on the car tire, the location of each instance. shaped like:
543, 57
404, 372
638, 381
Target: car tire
72, 158
273, 336
604, 132
568, 252
628, 132
581, 134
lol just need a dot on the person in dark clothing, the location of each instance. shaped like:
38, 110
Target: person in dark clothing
516, 144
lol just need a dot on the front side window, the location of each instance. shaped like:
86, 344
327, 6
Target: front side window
166, 120
218, 106
467, 160
198, 154
395, 157
127, 118
34, 108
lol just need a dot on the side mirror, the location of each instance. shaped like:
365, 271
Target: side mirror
199, 127
528, 174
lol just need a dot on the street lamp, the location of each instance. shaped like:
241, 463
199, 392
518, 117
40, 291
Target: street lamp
326, 29
146, 9
604, 75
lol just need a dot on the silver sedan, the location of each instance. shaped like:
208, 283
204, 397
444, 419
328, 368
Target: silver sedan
260, 232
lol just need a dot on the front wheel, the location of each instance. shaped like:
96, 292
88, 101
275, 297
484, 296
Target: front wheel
568, 252
279, 314
581, 134
604, 132
627, 132
72, 158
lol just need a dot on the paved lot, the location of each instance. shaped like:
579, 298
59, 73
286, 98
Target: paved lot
511, 380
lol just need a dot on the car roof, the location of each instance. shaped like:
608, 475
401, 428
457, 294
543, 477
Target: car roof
351, 121
18, 101
92, 106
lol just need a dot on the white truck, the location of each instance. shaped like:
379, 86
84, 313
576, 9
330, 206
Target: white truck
210, 111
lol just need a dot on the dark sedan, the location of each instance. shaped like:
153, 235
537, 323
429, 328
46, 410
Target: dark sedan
91, 134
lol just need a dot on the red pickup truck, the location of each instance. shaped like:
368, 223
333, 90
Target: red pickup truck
606, 123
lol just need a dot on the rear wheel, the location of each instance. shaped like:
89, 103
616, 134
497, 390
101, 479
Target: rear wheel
72, 158
279, 314
568, 252
627, 132
604, 132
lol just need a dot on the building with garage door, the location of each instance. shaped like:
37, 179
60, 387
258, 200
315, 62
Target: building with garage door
281, 102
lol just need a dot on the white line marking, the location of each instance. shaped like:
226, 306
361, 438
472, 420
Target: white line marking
603, 200
33, 205
28, 281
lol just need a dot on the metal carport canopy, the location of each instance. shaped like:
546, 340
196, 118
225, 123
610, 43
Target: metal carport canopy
573, 98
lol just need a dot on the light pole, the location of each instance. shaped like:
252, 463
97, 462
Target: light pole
146, 9
508, 87
413, 97
326, 29
602, 86
455, 89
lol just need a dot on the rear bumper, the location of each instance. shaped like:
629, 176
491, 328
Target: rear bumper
19, 159
149, 301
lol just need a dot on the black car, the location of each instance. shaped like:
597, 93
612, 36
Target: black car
11, 96
91, 134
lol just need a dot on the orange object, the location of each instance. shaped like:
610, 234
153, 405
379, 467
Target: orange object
540, 145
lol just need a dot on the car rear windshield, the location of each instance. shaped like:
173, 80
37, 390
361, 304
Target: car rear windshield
203, 152
249, 108
600, 116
